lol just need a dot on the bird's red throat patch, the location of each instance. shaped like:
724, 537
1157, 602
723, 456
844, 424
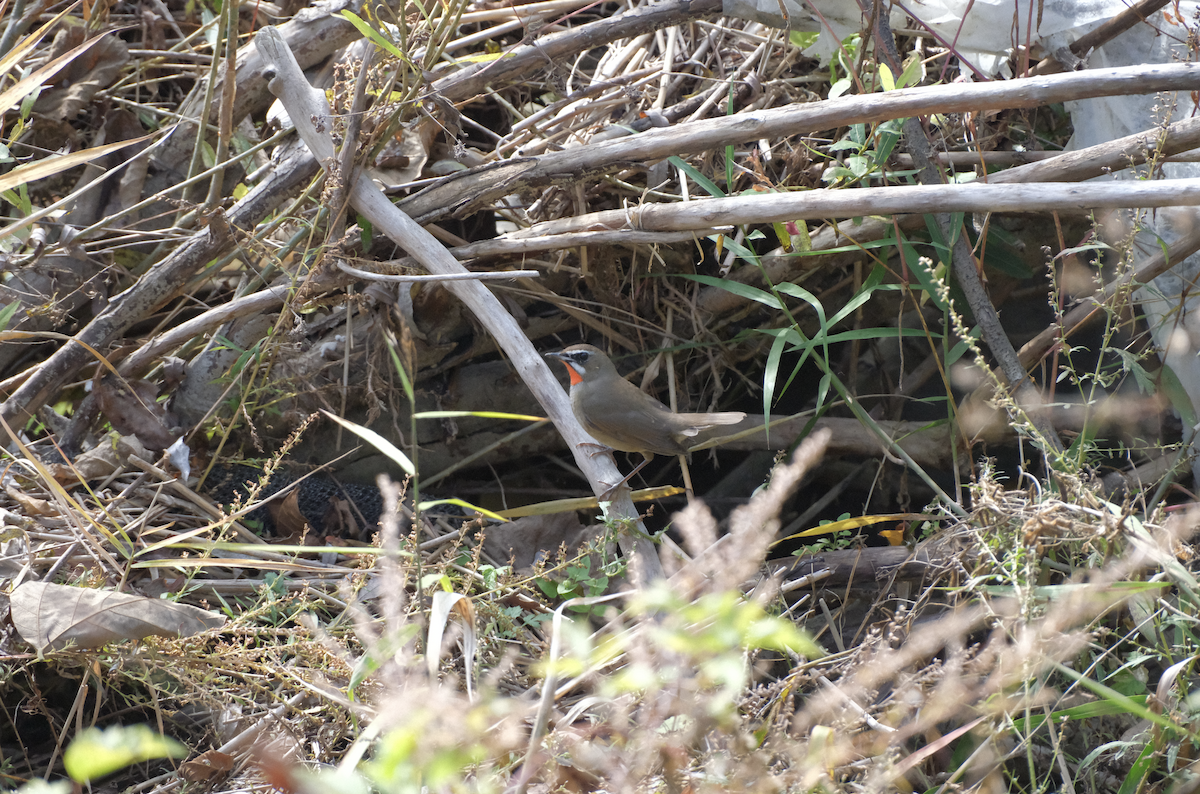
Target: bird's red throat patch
571, 372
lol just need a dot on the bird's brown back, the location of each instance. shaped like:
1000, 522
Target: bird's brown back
628, 419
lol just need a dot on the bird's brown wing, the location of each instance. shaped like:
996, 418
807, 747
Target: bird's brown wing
628, 419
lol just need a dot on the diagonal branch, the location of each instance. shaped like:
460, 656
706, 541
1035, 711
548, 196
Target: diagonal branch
305, 104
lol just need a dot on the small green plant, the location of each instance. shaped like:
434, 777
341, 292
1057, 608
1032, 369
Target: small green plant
587, 575
96, 753
842, 539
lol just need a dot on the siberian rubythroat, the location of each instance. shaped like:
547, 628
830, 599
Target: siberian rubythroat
619, 414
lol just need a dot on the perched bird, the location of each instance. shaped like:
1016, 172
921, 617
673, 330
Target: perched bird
622, 416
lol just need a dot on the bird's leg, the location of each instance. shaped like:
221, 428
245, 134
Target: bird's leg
687, 478
600, 449
607, 495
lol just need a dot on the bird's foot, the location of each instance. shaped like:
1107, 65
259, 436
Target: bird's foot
595, 449
608, 495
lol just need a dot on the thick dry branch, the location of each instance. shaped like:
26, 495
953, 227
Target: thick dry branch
1116, 155
803, 119
305, 104
932, 448
156, 287
1067, 167
505, 246
548, 50
818, 204
1082, 46
313, 36
499, 275
1155, 265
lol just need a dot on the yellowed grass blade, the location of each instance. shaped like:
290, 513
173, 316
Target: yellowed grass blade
13, 96
49, 166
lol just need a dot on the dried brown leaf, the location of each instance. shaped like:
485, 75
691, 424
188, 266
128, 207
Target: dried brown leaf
53, 616
206, 766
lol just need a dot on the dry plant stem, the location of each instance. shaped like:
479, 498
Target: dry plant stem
970, 159
500, 275
548, 50
818, 204
753, 526
187, 493
929, 446
1156, 143
868, 565
229, 16
345, 169
312, 41
1034, 645
802, 119
1105, 33
18, 23
522, 12
1156, 265
266, 300
305, 104
152, 290
247, 737
502, 246
546, 702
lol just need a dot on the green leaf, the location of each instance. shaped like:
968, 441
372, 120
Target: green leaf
379, 442
805, 243
796, 291
373, 35
96, 753
1178, 395
860, 165
925, 273
1129, 362
885, 78
770, 376
700, 179
856, 334
912, 71
781, 233
405, 380
365, 232
1001, 252
1140, 770
1055, 592
776, 634
803, 40
1084, 711
6, 314
737, 288
844, 145
823, 388
858, 299
379, 653
963, 346
1135, 706
887, 135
